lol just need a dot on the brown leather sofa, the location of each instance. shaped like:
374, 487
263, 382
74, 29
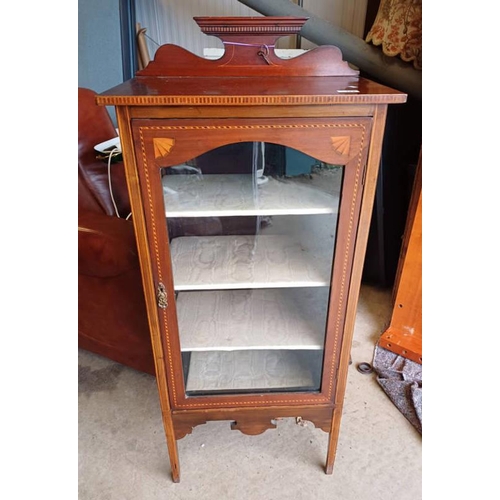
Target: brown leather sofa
112, 319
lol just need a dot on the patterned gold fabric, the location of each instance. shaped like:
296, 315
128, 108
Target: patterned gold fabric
398, 28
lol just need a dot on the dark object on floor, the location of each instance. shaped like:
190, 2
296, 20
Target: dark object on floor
364, 368
401, 380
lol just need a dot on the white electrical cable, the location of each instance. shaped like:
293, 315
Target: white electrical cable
113, 152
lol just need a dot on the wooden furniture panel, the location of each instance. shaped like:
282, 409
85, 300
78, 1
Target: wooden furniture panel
253, 325
404, 334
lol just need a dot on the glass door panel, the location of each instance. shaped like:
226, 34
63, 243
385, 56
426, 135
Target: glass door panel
252, 231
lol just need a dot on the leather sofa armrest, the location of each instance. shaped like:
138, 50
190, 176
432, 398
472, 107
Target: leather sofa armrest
106, 245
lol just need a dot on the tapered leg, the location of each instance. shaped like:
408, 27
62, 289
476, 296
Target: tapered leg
173, 452
333, 439
174, 461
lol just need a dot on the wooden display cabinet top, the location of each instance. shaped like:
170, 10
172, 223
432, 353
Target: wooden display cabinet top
249, 72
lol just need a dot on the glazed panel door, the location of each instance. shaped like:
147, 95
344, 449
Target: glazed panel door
251, 226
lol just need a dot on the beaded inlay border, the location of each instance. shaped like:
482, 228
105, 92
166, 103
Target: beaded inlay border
344, 264
248, 28
237, 100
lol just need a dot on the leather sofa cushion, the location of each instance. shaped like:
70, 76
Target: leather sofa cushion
106, 245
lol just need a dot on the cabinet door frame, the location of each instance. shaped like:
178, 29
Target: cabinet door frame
341, 141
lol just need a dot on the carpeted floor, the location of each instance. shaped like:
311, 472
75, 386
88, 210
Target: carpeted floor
123, 453
401, 380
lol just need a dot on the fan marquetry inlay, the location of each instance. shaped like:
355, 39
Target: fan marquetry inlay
163, 146
341, 145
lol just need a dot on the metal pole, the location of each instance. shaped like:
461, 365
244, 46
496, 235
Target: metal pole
390, 71
298, 44
128, 36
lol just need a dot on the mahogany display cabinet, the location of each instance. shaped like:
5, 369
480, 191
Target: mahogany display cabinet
252, 181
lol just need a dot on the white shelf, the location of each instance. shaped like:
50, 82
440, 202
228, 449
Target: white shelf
236, 195
253, 370
291, 318
237, 262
